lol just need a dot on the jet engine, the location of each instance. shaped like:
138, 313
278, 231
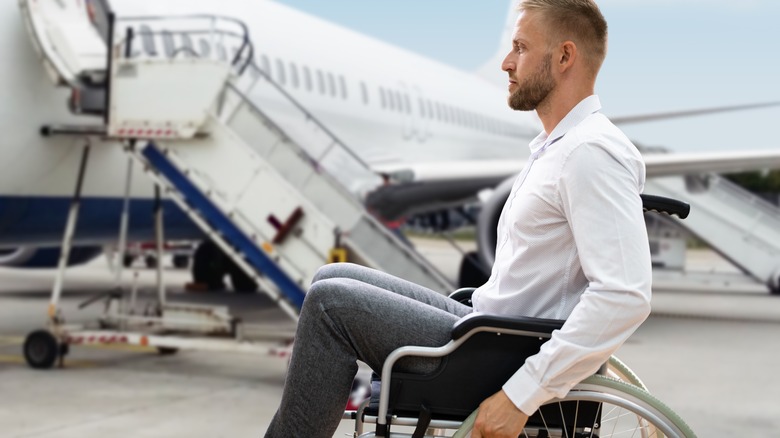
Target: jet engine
475, 267
487, 223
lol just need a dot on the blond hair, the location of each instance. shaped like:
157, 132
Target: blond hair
579, 21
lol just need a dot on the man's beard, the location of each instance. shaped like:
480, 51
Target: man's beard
534, 89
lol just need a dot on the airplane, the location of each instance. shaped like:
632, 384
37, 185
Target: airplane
443, 135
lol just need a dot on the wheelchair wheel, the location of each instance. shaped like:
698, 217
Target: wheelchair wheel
620, 371
621, 410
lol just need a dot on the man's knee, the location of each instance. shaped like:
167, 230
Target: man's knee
324, 292
335, 270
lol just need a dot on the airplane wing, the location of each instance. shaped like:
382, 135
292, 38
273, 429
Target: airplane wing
422, 187
668, 164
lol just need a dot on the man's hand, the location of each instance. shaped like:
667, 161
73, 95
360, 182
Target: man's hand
498, 417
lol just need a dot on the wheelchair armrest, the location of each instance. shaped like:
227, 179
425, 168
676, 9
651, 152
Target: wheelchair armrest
519, 323
463, 295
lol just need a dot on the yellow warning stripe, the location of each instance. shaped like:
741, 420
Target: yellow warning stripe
68, 363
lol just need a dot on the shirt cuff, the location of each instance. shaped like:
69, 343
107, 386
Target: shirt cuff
525, 392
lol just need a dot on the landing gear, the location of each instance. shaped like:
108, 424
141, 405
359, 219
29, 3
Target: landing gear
42, 349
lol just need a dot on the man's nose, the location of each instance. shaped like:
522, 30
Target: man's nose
508, 64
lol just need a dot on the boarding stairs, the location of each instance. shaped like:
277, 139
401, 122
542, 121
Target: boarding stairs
279, 202
739, 225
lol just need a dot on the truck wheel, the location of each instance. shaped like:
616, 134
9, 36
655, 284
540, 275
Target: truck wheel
241, 282
181, 261
41, 349
208, 266
167, 351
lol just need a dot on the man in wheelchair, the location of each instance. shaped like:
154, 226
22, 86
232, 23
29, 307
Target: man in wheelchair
572, 245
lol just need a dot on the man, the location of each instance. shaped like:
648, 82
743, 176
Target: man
571, 245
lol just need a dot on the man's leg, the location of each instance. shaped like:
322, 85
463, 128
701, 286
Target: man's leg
344, 320
391, 283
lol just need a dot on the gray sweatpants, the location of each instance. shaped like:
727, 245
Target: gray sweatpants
354, 313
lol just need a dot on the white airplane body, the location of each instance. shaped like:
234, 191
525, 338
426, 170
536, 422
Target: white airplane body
397, 110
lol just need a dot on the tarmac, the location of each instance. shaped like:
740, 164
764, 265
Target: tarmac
708, 351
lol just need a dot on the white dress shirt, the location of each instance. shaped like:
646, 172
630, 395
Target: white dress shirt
572, 244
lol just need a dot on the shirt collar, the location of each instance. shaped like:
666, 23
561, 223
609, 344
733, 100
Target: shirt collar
579, 113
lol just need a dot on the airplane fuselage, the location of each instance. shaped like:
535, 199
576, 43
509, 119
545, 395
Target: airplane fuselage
362, 89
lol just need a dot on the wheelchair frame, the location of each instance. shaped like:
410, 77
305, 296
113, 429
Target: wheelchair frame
657, 418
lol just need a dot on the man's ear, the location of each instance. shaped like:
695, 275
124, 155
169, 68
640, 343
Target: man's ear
567, 54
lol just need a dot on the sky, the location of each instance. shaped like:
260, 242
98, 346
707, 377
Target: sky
664, 55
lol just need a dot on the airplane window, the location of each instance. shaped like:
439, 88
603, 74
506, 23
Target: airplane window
364, 90
147, 40
437, 107
307, 77
422, 108
281, 74
331, 84
265, 64
391, 100
382, 97
343, 86
186, 46
294, 75
320, 82
168, 46
407, 104
430, 108
205, 48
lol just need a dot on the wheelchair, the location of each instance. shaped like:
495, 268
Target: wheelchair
611, 403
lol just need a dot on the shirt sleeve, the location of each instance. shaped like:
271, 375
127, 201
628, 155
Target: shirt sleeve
599, 196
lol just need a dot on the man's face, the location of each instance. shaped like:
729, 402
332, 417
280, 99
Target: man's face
529, 65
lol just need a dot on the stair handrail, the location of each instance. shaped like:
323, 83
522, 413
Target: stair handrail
243, 34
